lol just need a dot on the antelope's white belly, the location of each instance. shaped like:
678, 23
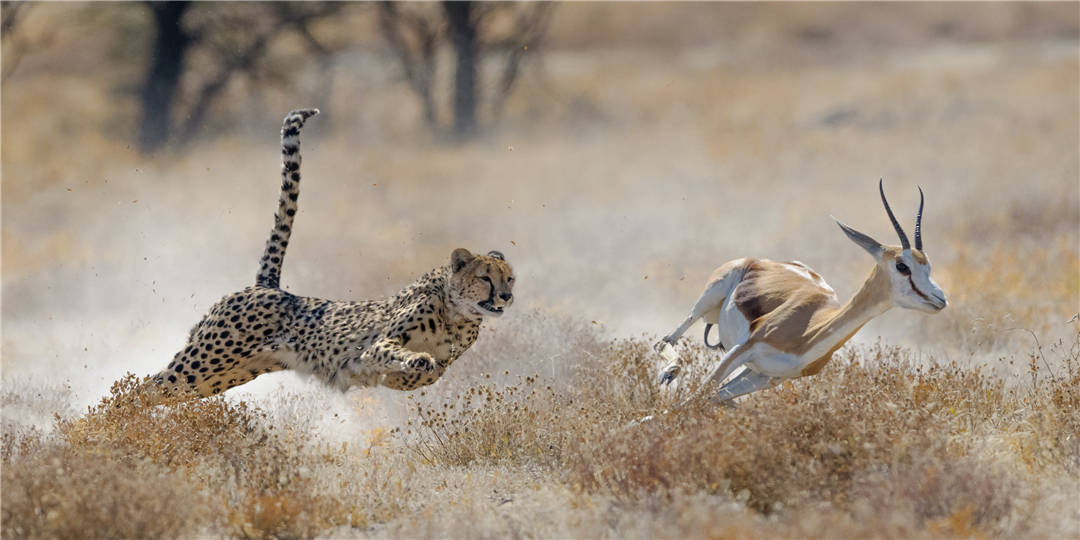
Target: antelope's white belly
733, 326
768, 360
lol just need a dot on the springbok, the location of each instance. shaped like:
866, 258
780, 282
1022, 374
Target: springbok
784, 321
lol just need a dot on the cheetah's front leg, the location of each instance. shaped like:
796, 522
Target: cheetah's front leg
388, 362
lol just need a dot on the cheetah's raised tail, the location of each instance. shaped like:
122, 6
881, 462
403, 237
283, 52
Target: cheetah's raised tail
270, 267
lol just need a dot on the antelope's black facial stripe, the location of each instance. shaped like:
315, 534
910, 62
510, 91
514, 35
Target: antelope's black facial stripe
920, 293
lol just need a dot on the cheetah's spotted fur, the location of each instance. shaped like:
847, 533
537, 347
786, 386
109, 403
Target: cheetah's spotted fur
402, 342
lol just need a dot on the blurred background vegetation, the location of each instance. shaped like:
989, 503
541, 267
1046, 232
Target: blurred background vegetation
178, 69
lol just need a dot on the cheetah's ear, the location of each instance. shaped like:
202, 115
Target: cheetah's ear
459, 258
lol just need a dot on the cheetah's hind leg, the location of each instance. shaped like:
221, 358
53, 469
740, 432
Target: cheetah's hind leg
209, 377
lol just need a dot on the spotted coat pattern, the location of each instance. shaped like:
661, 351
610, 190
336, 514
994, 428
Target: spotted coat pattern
403, 342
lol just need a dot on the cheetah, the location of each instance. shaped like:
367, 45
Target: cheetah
403, 342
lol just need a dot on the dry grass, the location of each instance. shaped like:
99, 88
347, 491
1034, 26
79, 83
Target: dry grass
633, 163
881, 433
885, 447
132, 469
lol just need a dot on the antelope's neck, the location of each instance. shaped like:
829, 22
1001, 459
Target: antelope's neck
871, 300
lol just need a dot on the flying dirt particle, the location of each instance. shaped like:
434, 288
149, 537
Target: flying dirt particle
133, 201
646, 276
513, 243
69, 189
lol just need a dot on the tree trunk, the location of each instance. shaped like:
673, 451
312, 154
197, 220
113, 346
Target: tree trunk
463, 38
163, 77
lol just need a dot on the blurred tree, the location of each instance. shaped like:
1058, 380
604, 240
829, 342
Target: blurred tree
15, 43
474, 31
166, 62
229, 40
463, 37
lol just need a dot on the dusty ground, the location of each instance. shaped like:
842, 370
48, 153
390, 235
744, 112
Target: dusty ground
623, 172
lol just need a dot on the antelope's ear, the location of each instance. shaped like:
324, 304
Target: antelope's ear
873, 247
459, 258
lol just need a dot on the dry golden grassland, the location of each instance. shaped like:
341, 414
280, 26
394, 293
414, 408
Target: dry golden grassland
621, 174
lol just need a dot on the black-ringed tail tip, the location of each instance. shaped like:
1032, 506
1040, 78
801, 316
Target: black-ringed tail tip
304, 114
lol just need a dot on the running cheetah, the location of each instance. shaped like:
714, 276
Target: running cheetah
403, 342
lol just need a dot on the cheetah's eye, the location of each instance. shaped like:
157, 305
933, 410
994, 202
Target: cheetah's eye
510, 280
903, 268
485, 278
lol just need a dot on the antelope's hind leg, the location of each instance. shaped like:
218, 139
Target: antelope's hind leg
708, 305
744, 383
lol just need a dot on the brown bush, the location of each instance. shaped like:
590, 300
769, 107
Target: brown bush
874, 429
138, 465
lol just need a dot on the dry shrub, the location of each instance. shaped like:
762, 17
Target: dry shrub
880, 443
876, 430
140, 465
489, 423
535, 419
61, 492
100, 474
1047, 434
137, 420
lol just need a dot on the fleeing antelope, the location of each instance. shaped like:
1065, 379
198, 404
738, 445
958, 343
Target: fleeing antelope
783, 321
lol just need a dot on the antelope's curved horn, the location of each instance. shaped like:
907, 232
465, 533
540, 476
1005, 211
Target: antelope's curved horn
896, 224
918, 223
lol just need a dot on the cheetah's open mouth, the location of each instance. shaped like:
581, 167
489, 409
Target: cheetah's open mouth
488, 306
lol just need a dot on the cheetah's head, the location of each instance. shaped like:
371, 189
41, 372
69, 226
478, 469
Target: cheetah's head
480, 285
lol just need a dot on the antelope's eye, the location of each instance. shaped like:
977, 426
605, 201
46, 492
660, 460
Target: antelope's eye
902, 268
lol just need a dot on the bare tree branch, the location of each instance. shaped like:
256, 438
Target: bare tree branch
419, 67
467, 27
246, 60
529, 29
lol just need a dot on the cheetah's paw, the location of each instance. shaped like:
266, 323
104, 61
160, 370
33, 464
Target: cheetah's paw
420, 362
